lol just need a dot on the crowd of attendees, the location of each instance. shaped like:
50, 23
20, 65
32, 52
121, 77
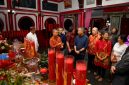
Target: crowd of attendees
101, 50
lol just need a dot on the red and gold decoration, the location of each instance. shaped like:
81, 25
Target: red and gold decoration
80, 73
68, 70
59, 68
67, 3
29, 48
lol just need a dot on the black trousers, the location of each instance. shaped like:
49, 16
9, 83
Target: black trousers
91, 65
101, 71
71, 53
77, 57
120, 80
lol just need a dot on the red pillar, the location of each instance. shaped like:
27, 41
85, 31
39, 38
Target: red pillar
10, 15
83, 18
61, 19
9, 4
39, 14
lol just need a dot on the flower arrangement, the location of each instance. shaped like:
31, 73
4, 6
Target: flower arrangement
10, 77
43, 64
7, 75
4, 47
14, 67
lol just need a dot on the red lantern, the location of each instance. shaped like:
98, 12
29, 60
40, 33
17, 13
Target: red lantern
81, 2
98, 2
45, 1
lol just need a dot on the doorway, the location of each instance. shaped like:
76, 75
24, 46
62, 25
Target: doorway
125, 26
98, 22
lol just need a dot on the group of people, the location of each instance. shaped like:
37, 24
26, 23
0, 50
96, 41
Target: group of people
69, 43
102, 51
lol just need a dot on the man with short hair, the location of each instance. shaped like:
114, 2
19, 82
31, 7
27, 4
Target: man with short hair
63, 39
93, 38
80, 44
70, 37
32, 36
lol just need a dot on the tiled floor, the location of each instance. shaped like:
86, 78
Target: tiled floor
92, 79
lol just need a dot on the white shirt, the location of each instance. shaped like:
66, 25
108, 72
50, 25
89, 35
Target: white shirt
33, 38
119, 50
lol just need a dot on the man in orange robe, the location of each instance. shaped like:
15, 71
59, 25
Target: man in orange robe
93, 38
55, 41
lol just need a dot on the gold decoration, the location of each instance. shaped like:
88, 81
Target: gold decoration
65, 78
57, 71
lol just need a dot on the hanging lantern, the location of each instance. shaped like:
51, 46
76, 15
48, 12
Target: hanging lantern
81, 2
99, 2
16, 3
45, 1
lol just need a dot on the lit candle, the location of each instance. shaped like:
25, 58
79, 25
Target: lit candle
68, 70
59, 68
51, 65
80, 73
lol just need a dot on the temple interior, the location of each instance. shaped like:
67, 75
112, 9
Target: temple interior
64, 42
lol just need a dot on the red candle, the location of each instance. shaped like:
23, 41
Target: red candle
80, 73
59, 68
68, 70
51, 65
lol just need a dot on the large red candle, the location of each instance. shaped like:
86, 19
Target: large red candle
68, 70
80, 73
59, 68
51, 65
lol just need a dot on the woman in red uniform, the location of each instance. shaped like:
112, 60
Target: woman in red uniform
102, 58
